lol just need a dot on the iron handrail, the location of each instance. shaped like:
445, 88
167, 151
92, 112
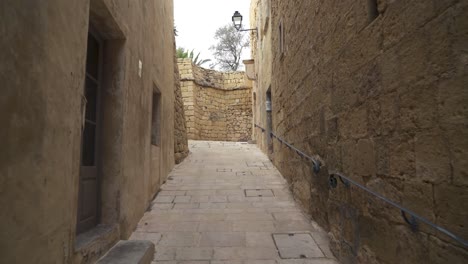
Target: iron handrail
412, 221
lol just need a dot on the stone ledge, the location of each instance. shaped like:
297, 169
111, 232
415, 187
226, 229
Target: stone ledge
129, 252
91, 245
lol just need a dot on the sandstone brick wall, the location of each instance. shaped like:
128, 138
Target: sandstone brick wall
217, 105
384, 101
260, 17
181, 150
41, 111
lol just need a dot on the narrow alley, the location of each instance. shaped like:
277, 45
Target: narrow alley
226, 203
234, 132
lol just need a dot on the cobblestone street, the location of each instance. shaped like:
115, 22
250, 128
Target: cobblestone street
226, 203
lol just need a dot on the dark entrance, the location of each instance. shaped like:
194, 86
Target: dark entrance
269, 127
88, 196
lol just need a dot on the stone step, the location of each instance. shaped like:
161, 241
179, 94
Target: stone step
129, 252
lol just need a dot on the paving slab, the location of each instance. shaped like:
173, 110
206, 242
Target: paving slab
227, 204
258, 193
297, 246
223, 239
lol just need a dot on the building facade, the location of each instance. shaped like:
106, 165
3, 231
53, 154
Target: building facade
87, 113
217, 105
377, 91
181, 149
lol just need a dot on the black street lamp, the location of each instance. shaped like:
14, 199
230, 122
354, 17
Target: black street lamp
237, 21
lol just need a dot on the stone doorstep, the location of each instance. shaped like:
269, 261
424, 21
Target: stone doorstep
129, 252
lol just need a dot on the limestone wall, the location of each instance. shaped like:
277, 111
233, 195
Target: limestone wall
217, 105
260, 17
383, 100
181, 150
43, 62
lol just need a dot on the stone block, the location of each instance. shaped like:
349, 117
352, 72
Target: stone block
164, 199
179, 239
359, 158
354, 124
240, 253
152, 237
129, 252
443, 252
165, 254
432, 157
458, 142
182, 199
452, 95
393, 29
449, 214
253, 226
395, 156
223, 239
418, 197
216, 226
384, 114
259, 239
417, 109
194, 253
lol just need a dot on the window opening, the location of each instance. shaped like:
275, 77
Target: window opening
156, 119
372, 10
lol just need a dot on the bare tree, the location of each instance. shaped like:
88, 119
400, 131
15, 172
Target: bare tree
230, 44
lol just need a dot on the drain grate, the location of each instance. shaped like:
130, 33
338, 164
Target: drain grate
258, 193
297, 246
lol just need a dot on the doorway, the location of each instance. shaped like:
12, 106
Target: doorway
269, 128
89, 182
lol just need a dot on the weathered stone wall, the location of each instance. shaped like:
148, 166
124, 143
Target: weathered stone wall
384, 101
260, 16
180, 129
217, 105
42, 72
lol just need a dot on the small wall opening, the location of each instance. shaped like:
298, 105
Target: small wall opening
156, 118
269, 128
281, 38
254, 113
372, 10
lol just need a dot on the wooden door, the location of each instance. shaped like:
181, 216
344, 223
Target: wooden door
88, 197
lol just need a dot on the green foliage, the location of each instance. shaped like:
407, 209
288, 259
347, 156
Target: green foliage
182, 53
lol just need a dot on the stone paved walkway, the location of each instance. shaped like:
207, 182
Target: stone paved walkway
227, 204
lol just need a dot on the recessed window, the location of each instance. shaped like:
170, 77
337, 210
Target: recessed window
156, 119
372, 10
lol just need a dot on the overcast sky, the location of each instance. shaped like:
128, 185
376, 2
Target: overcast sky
197, 21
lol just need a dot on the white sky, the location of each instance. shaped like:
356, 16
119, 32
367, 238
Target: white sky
197, 21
